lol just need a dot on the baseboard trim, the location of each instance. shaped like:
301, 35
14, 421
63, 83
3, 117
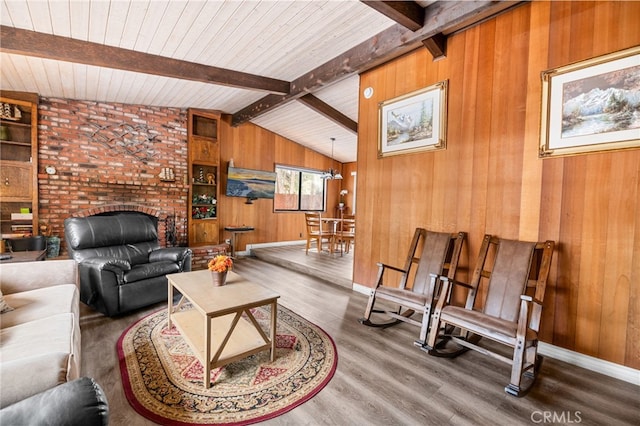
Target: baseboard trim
359, 288
598, 365
275, 244
601, 366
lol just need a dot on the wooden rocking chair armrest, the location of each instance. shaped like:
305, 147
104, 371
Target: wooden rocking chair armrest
443, 295
530, 299
530, 313
523, 317
381, 269
460, 283
447, 286
443, 291
385, 266
433, 289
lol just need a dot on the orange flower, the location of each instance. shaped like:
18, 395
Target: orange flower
220, 263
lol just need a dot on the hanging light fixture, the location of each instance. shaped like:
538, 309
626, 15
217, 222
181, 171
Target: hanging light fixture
332, 174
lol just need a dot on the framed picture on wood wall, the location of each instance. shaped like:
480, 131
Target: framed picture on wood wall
414, 122
593, 105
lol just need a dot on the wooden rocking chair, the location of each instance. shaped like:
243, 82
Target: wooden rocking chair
515, 274
439, 257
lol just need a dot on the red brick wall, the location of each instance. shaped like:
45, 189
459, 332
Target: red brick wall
202, 255
110, 154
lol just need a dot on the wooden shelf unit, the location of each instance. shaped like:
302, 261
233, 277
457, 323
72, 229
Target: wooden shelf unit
19, 164
203, 130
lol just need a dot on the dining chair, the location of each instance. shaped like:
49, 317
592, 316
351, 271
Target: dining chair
513, 276
346, 236
419, 281
318, 231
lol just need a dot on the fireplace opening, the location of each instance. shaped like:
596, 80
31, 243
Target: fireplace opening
154, 219
165, 223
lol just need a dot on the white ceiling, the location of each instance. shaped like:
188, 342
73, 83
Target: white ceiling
287, 40
278, 39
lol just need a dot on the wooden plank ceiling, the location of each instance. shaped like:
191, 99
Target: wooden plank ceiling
288, 66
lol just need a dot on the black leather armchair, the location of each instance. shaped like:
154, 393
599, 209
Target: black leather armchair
121, 264
81, 402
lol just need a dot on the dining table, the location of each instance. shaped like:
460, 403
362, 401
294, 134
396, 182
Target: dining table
333, 222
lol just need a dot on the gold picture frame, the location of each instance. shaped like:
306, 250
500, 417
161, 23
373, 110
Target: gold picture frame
591, 106
414, 122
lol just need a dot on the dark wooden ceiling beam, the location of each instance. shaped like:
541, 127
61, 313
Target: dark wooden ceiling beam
409, 14
330, 112
436, 45
440, 17
31, 43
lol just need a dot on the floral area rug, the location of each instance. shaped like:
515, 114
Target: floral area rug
163, 380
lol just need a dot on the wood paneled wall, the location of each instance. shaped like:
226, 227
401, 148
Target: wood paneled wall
253, 147
490, 179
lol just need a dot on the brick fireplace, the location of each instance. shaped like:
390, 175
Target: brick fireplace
108, 157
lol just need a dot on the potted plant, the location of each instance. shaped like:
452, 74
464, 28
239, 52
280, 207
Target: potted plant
219, 266
53, 241
342, 194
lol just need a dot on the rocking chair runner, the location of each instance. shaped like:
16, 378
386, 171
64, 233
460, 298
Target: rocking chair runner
511, 311
439, 256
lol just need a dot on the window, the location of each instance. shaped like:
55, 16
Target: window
299, 190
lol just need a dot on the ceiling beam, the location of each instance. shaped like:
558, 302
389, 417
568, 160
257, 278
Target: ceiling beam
330, 112
436, 45
440, 17
31, 43
409, 14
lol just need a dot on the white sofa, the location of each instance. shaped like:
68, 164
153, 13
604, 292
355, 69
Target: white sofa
40, 337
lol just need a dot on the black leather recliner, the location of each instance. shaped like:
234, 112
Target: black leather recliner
121, 264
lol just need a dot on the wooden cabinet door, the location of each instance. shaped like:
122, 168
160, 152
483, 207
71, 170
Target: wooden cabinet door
204, 150
16, 181
203, 232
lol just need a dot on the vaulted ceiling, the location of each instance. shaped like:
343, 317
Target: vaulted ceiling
288, 66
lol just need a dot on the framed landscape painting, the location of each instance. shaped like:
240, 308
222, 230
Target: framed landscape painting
593, 105
250, 183
414, 122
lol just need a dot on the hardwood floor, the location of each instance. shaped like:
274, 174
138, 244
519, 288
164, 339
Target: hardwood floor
334, 268
382, 379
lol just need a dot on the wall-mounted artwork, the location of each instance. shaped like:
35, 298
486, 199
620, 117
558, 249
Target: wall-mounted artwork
134, 140
414, 122
250, 183
593, 105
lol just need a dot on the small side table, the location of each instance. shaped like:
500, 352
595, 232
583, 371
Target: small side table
220, 328
25, 256
235, 230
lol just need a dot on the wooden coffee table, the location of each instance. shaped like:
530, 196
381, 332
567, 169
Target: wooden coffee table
215, 327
